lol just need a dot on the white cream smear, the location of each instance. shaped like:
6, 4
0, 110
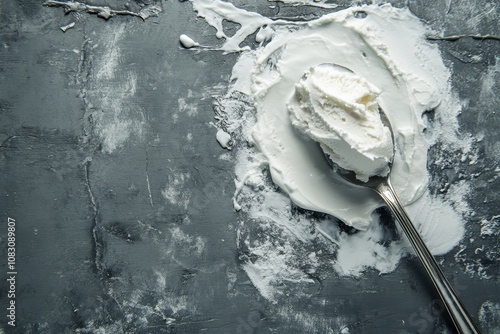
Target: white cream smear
384, 46
407, 91
338, 109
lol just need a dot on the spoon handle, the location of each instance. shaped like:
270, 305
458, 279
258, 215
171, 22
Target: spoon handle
461, 319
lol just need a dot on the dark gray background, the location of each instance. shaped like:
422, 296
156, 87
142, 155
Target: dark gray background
97, 254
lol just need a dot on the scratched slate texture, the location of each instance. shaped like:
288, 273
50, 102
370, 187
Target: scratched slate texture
122, 196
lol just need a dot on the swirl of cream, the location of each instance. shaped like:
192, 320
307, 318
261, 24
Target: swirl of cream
371, 48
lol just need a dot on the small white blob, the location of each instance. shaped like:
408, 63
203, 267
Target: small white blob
187, 42
223, 138
264, 34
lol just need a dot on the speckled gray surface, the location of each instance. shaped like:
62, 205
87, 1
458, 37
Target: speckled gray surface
122, 196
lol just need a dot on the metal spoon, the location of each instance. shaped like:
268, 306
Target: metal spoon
382, 185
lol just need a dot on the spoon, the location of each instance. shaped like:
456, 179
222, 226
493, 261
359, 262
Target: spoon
382, 185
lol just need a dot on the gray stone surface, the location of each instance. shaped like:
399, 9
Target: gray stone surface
92, 142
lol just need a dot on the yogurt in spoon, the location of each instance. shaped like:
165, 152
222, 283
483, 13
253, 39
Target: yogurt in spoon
338, 109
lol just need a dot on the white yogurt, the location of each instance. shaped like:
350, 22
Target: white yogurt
386, 46
187, 41
338, 109
223, 138
373, 48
